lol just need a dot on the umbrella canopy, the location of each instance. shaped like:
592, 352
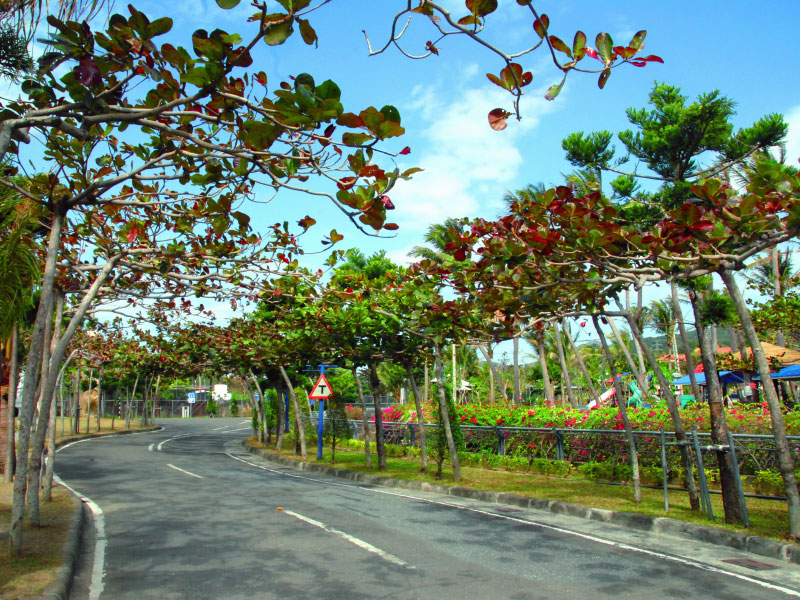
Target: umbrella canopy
724, 377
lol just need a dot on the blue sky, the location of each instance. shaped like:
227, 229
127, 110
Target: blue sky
744, 49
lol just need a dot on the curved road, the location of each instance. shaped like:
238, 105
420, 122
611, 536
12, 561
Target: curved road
185, 513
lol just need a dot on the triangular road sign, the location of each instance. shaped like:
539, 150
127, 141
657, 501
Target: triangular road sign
322, 389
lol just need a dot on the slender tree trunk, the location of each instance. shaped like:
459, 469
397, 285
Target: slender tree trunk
623, 411
639, 345
423, 446
364, 419
719, 427
427, 382
51, 451
592, 390
548, 386
281, 416
517, 387
301, 435
261, 404
155, 396
50, 443
32, 366
785, 458
456, 379
100, 397
12, 402
495, 376
76, 401
89, 400
130, 400
637, 375
448, 432
674, 413
564, 367
375, 385
687, 349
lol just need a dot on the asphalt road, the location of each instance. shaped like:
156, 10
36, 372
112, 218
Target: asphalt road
185, 513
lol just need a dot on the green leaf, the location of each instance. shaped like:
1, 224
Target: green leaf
555, 90
638, 40
228, 4
277, 34
605, 46
307, 32
578, 45
481, 8
159, 27
559, 45
197, 76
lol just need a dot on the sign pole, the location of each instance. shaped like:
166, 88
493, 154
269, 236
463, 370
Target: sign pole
320, 419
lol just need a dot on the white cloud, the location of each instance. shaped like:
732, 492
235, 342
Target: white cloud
468, 166
793, 138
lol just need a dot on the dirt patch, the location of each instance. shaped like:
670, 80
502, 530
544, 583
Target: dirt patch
27, 576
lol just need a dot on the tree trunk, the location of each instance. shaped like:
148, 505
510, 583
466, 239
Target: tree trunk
623, 411
564, 368
12, 401
637, 314
261, 405
687, 349
592, 390
89, 400
281, 416
549, 396
420, 419
719, 428
375, 385
364, 419
298, 421
674, 413
495, 376
637, 375
130, 400
517, 388
153, 403
785, 459
51, 450
32, 365
446, 415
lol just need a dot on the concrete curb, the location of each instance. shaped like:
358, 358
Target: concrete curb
62, 586
789, 553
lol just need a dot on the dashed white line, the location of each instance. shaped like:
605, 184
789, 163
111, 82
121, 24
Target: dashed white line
177, 437
184, 471
621, 545
353, 540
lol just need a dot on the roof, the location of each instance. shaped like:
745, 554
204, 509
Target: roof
724, 377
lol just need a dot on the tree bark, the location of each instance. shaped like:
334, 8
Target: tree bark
364, 419
674, 413
375, 385
12, 402
32, 365
448, 432
423, 446
719, 427
495, 376
261, 405
564, 368
298, 421
623, 411
785, 458
687, 349
549, 396
590, 386
517, 390
637, 375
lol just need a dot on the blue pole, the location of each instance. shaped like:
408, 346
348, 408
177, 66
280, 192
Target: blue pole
320, 419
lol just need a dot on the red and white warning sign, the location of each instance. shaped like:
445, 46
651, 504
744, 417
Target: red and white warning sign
322, 389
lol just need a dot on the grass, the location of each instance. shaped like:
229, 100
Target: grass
29, 575
768, 518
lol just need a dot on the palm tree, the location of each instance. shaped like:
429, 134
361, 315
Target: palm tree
660, 316
437, 237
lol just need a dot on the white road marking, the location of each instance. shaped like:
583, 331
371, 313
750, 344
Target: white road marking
218, 428
177, 437
586, 536
183, 471
150, 447
98, 566
353, 540
235, 430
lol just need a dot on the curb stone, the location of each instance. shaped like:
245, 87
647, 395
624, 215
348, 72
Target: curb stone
789, 553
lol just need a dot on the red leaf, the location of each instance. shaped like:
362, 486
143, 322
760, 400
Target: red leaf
653, 58
329, 131
431, 48
592, 52
497, 119
133, 233
387, 202
460, 254
405, 151
87, 73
